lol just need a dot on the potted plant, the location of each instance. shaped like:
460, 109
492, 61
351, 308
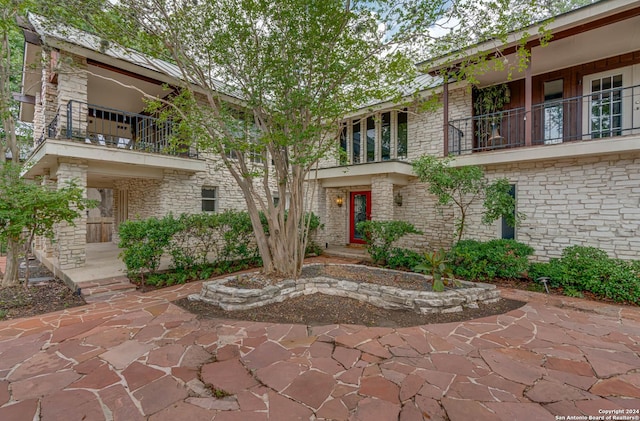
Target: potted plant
488, 105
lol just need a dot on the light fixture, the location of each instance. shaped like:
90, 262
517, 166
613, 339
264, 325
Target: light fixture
398, 199
339, 201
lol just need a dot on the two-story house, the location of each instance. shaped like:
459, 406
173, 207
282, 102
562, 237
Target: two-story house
86, 100
565, 132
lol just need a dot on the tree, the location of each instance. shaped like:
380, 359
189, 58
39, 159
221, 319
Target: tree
464, 186
28, 209
268, 82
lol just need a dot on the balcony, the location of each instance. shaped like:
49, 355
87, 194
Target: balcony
606, 114
111, 128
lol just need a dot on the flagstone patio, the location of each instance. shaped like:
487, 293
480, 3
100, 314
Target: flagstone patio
137, 356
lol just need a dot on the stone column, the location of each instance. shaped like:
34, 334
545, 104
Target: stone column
72, 240
381, 198
335, 218
72, 86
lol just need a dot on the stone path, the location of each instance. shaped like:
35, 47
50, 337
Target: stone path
137, 356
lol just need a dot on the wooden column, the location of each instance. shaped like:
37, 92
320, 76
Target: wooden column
445, 112
528, 87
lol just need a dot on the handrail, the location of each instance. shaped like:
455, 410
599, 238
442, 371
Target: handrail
110, 127
601, 114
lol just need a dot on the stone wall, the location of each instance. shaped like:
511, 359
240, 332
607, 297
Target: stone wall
593, 201
72, 86
388, 297
71, 240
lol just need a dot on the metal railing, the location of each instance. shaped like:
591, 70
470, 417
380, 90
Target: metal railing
487, 132
603, 114
109, 127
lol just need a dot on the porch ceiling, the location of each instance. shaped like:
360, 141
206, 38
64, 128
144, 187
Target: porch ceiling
607, 41
105, 164
360, 175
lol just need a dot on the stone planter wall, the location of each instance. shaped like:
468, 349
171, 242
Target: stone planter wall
452, 300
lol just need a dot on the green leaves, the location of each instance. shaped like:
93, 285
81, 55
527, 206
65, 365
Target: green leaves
463, 186
380, 236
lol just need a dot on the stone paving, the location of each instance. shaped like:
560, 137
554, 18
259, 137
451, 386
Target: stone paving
137, 356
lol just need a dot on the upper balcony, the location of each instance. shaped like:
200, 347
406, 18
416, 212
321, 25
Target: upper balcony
604, 121
111, 137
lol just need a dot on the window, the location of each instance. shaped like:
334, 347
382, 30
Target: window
371, 139
343, 145
402, 131
379, 137
553, 112
606, 106
209, 199
385, 136
355, 150
509, 232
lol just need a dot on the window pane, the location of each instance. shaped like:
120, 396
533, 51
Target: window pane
371, 139
355, 158
209, 199
343, 145
208, 206
402, 135
209, 193
386, 136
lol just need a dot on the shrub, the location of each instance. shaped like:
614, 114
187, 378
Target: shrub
380, 236
588, 269
143, 242
475, 260
400, 258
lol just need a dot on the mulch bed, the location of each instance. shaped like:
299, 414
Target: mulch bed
320, 309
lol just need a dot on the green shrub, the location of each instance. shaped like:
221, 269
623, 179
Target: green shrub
380, 236
474, 260
143, 242
400, 258
588, 269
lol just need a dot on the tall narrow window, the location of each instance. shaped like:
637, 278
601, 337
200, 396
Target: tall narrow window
509, 232
553, 112
343, 145
402, 135
371, 139
209, 199
385, 136
606, 106
355, 149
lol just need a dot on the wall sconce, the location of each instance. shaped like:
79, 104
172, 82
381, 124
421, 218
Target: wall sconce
398, 199
339, 201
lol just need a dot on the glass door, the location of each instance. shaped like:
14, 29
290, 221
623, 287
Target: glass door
359, 211
607, 111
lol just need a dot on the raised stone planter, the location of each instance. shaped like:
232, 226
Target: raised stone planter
451, 300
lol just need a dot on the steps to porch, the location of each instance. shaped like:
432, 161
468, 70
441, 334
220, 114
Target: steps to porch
102, 289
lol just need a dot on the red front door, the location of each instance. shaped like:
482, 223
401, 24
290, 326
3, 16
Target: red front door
359, 210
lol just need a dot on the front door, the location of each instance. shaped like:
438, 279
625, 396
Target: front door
360, 210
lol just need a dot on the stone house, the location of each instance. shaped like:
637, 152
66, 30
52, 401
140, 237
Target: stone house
85, 100
568, 139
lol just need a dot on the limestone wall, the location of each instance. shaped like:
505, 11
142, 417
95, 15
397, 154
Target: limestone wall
592, 201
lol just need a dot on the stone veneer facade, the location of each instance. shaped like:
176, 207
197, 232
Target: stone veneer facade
591, 201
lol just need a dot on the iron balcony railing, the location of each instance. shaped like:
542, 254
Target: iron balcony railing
109, 127
602, 114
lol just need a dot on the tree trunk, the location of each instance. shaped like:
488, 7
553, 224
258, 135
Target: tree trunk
11, 274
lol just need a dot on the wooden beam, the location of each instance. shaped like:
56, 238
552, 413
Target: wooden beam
27, 99
528, 105
445, 111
